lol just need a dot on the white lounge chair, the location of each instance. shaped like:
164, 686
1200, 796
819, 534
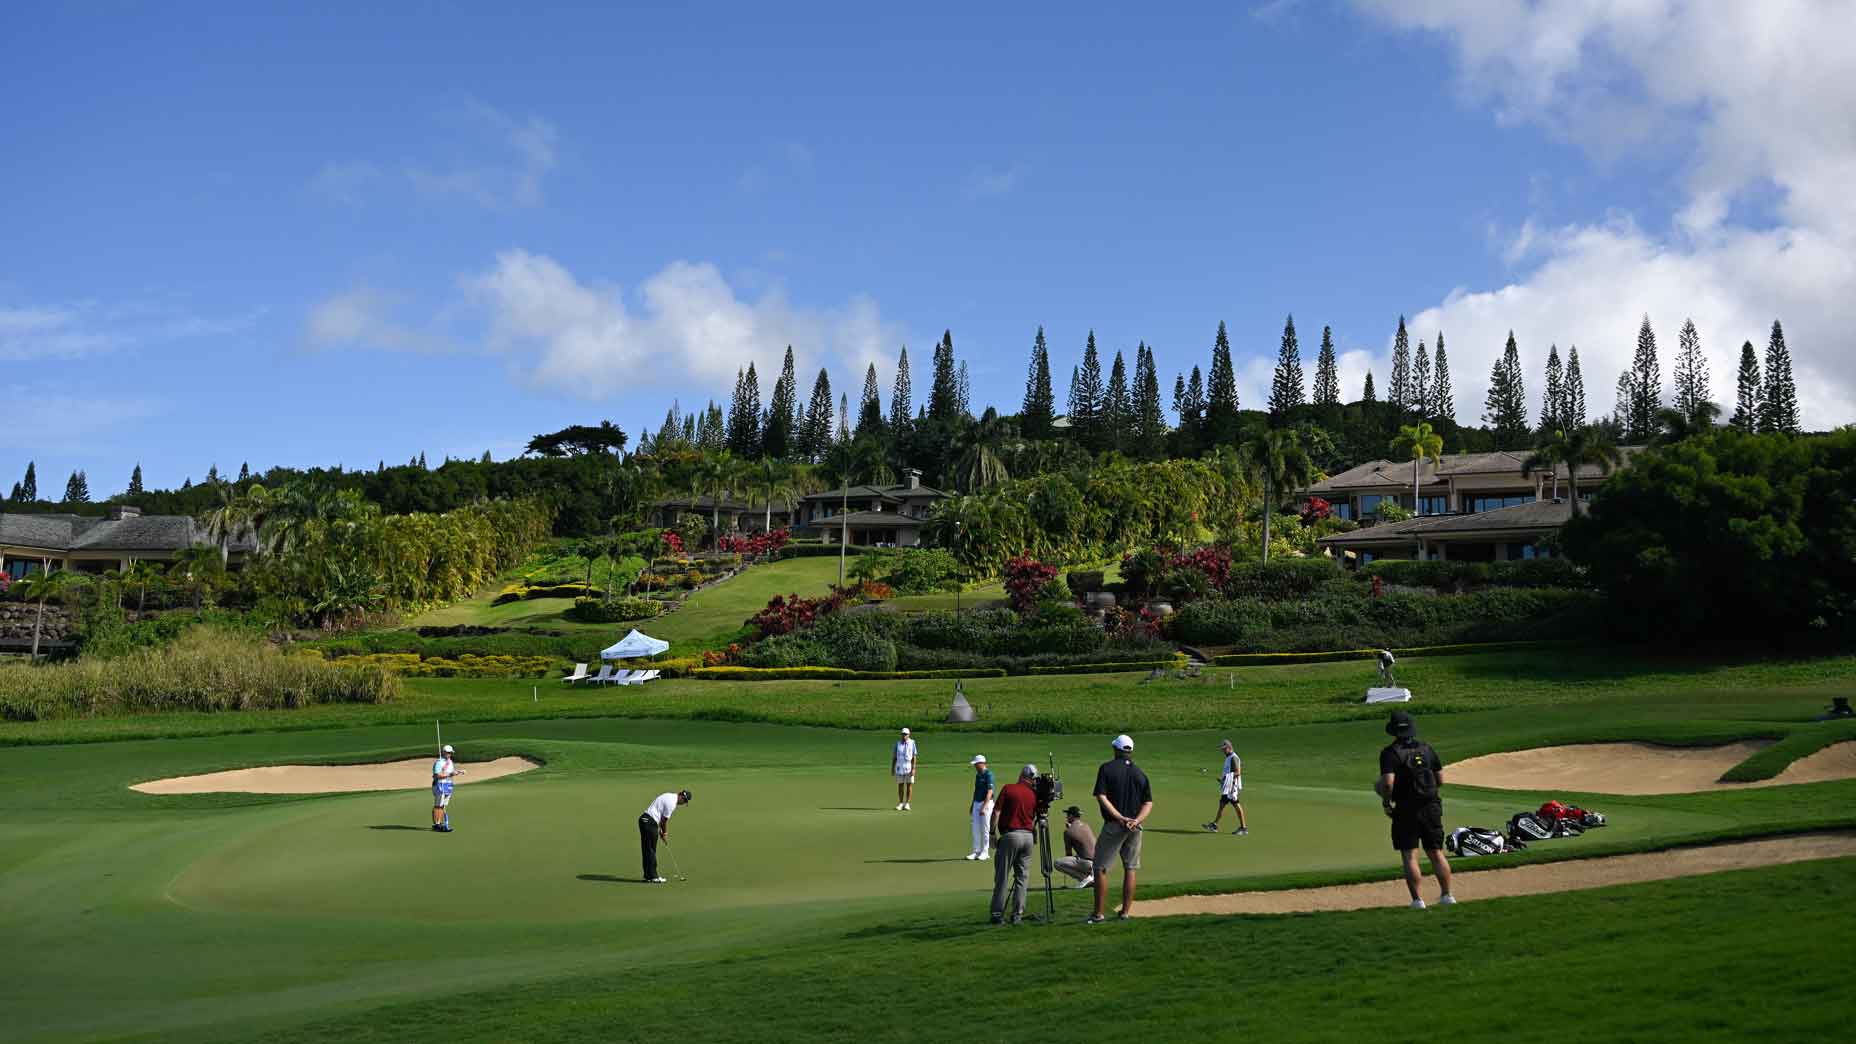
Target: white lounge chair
626, 678
578, 675
645, 676
604, 675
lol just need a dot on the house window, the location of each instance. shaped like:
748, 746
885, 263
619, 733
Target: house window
1369, 505
1491, 502
1341, 508
1438, 505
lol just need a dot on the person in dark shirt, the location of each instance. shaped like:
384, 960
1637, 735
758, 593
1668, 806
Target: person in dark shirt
1410, 786
1014, 816
1126, 799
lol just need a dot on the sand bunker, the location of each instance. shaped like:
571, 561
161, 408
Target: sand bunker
412, 774
1641, 768
1472, 884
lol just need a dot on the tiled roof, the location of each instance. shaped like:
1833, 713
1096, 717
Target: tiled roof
878, 519
1397, 474
1540, 514
84, 533
896, 492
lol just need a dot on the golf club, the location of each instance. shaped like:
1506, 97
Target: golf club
678, 867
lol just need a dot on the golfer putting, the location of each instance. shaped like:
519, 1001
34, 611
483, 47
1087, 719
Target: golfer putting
444, 773
654, 826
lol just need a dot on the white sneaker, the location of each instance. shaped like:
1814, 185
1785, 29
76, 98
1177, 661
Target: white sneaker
906, 807
983, 856
1417, 904
659, 880
972, 856
900, 806
1087, 881
1446, 900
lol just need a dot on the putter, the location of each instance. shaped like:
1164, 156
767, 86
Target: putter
675, 866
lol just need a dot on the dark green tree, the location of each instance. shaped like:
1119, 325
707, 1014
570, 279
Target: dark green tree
744, 417
578, 440
944, 395
212, 471
1572, 392
1443, 398
1505, 409
1366, 392
1189, 406
76, 489
776, 434
1692, 378
1287, 391
244, 472
901, 409
870, 407
1398, 392
1421, 382
1646, 386
1746, 396
815, 435
1778, 397
1087, 396
963, 392
1221, 403
1553, 403
1149, 416
1040, 405
1327, 373
135, 480
1117, 424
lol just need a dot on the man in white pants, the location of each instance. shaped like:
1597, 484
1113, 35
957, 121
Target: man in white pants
982, 809
902, 765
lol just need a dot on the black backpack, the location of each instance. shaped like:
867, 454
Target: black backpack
1417, 774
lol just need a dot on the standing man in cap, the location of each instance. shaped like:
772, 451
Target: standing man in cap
1126, 799
902, 764
1230, 789
443, 772
1079, 848
982, 807
1410, 785
654, 825
1012, 822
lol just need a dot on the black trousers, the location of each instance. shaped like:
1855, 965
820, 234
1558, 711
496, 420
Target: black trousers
647, 844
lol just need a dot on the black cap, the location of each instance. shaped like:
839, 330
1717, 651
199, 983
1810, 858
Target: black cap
1400, 724
1072, 811
685, 795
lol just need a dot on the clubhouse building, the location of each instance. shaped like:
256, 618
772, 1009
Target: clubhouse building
92, 544
1474, 507
878, 516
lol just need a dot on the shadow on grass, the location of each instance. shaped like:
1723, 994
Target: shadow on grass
608, 879
949, 859
856, 808
400, 826
1201, 832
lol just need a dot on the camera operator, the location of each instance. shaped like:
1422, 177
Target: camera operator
1014, 817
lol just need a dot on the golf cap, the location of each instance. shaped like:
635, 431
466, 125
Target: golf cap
686, 796
1072, 811
449, 750
978, 759
1400, 724
905, 730
1122, 742
1224, 743
1028, 771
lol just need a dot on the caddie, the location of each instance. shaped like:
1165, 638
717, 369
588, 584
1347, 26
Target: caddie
443, 772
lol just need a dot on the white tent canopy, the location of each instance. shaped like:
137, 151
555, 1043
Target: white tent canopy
636, 643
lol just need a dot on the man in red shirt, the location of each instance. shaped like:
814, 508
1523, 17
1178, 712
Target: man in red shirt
1013, 817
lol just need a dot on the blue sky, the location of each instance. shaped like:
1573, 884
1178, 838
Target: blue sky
312, 238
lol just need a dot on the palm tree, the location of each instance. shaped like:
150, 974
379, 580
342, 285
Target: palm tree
42, 587
592, 549
140, 573
239, 512
979, 463
193, 566
1549, 454
785, 482
721, 474
1589, 445
1418, 441
1672, 425
1276, 458
858, 460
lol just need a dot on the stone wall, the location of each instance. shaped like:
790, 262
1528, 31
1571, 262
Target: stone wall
16, 620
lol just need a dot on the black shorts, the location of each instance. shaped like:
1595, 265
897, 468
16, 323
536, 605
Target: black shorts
1423, 828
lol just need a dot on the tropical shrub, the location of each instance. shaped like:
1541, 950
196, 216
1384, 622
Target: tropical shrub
468, 665
594, 610
833, 673
1447, 575
1280, 659
1025, 581
1282, 578
205, 670
1083, 581
1353, 620
787, 613
909, 570
753, 545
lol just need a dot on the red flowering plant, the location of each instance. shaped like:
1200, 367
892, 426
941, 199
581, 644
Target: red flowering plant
1127, 625
673, 542
1315, 510
1025, 579
753, 545
788, 613
5, 582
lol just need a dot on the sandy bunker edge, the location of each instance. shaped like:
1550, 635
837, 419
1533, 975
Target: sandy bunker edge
406, 774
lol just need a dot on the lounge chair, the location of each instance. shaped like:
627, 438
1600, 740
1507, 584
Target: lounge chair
645, 676
625, 678
604, 675
578, 675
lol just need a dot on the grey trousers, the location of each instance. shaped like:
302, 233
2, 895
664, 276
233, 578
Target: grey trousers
1013, 853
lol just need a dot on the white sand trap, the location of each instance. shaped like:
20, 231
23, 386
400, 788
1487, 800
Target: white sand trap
1566, 876
1641, 768
412, 774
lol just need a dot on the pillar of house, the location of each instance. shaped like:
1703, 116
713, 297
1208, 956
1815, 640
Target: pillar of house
1443, 552
1501, 551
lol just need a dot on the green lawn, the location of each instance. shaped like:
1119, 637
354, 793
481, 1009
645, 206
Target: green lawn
235, 917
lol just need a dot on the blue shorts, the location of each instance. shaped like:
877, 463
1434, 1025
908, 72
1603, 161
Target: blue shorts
441, 795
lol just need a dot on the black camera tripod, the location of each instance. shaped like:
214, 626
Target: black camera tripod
1050, 789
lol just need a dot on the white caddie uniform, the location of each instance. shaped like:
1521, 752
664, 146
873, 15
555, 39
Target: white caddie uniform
904, 756
1231, 778
442, 771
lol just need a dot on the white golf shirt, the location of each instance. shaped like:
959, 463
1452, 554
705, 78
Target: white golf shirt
1231, 781
662, 809
905, 757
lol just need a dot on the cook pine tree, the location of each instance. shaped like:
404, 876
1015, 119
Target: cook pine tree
1421, 382
944, 392
777, 430
1327, 376
1646, 386
1221, 403
1115, 434
1553, 402
901, 410
1287, 391
1692, 383
1505, 408
1572, 392
1398, 390
870, 407
1149, 418
1746, 391
1443, 398
1086, 397
1039, 409
1778, 396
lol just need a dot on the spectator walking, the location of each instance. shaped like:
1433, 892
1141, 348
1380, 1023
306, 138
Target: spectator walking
1230, 790
1013, 820
1079, 848
444, 773
902, 765
654, 825
1126, 799
1410, 786
982, 807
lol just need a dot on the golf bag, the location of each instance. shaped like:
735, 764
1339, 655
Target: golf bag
1526, 826
1475, 841
1570, 819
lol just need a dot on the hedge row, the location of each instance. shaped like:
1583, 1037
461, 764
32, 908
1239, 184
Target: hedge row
1466, 649
521, 592
814, 551
1444, 575
833, 673
619, 610
1171, 664
411, 665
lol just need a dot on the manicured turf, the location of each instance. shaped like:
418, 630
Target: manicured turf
814, 907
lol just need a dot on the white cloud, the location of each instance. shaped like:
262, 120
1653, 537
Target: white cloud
1753, 98
505, 160
689, 324
46, 419
75, 330
345, 181
986, 182
363, 316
